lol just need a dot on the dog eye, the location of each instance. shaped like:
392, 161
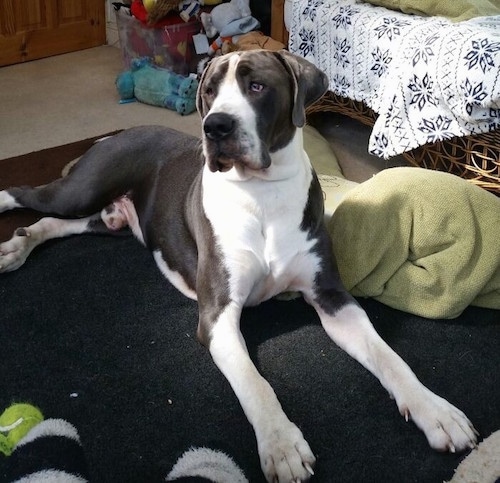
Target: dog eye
256, 87
209, 92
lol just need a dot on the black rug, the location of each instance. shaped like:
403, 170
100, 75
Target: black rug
92, 332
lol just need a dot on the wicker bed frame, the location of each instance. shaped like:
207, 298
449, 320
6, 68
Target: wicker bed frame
475, 157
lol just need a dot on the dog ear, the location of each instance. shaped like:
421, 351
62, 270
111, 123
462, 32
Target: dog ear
309, 84
201, 71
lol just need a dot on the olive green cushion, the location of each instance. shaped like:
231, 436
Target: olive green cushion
329, 172
421, 241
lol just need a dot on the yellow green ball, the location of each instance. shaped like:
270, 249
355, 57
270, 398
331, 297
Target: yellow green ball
15, 423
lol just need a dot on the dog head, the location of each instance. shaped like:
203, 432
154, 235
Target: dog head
251, 103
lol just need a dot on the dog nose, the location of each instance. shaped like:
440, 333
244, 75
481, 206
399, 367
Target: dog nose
218, 125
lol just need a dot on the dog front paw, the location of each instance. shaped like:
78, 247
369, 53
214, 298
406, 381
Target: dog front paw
445, 426
285, 455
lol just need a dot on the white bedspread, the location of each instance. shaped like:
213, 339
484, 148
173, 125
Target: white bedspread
428, 79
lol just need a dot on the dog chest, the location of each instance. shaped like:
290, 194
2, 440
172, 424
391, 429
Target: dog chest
256, 225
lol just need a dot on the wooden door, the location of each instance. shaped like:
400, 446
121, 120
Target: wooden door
32, 29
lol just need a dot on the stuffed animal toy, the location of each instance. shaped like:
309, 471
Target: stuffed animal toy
227, 22
192, 8
257, 40
158, 87
157, 9
189, 8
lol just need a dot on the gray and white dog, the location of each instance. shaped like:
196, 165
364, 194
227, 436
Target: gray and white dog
231, 225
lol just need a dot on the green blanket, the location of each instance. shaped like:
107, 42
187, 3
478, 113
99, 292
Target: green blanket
454, 10
421, 241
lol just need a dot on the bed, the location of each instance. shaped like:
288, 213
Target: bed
429, 86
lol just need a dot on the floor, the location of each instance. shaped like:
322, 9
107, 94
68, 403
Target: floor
70, 97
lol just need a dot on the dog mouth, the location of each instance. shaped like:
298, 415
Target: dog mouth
220, 159
224, 156
221, 163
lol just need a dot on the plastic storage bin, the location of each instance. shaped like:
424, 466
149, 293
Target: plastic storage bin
170, 46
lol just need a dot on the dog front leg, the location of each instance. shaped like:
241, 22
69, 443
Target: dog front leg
445, 426
284, 454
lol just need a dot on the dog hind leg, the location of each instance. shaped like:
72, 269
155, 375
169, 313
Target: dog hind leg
108, 170
7, 201
71, 197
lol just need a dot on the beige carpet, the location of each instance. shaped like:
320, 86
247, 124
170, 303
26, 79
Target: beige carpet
67, 98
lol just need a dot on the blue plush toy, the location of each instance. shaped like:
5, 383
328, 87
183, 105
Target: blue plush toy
158, 87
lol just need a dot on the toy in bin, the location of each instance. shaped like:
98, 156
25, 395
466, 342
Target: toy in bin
168, 43
227, 22
158, 87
